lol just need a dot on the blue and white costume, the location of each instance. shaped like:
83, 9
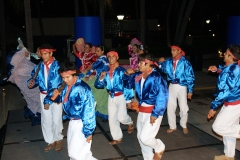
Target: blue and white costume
99, 66
118, 95
227, 121
51, 119
181, 81
80, 109
153, 97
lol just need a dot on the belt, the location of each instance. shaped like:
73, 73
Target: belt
75, 118
43, 92
147, 109
174, 83
117, 94
232, 103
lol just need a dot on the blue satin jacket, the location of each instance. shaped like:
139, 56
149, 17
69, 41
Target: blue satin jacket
184, 74
154, 92
100, 65
228, 85
80, 105
54, 80
118, 84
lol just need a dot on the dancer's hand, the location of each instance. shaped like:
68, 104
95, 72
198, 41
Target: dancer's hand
189, 95
129, 105
26, 54
103, 74
129, 71
31, 83
212, 68
89, 138
46, 106
152, 120
162, 59
55, 92
211, 114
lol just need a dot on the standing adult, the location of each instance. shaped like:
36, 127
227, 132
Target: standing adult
152, 92
48, 79
228, 94
118, 96
181, 79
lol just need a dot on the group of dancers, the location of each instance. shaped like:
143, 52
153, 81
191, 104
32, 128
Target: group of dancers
102, 87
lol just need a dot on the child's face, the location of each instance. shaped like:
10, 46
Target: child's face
46, 56
87, 48
99, 52
135, 49
69, 79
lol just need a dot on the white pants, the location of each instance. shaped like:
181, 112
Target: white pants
227, 125
146, 135
117, 113
51, 121
78, 147
177, 93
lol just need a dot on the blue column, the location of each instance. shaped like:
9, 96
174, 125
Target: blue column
88, 28
233, 34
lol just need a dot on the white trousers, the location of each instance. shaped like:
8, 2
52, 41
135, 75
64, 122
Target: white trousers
227, 125
177, 93
78, 147
146, 134
117, 113
51, 121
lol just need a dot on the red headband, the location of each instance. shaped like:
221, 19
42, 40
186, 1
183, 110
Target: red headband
112, 53
176, 47
149, 62
47, 50
70, 72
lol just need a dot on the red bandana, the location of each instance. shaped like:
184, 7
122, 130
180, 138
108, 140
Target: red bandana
176, 47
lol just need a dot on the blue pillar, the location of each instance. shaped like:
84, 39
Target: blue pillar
233, 34
88, 28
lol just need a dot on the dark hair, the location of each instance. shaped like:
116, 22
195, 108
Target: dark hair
66, 66
100, 46
90, 44
235, 50
45, 46
136, 46
147, 56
